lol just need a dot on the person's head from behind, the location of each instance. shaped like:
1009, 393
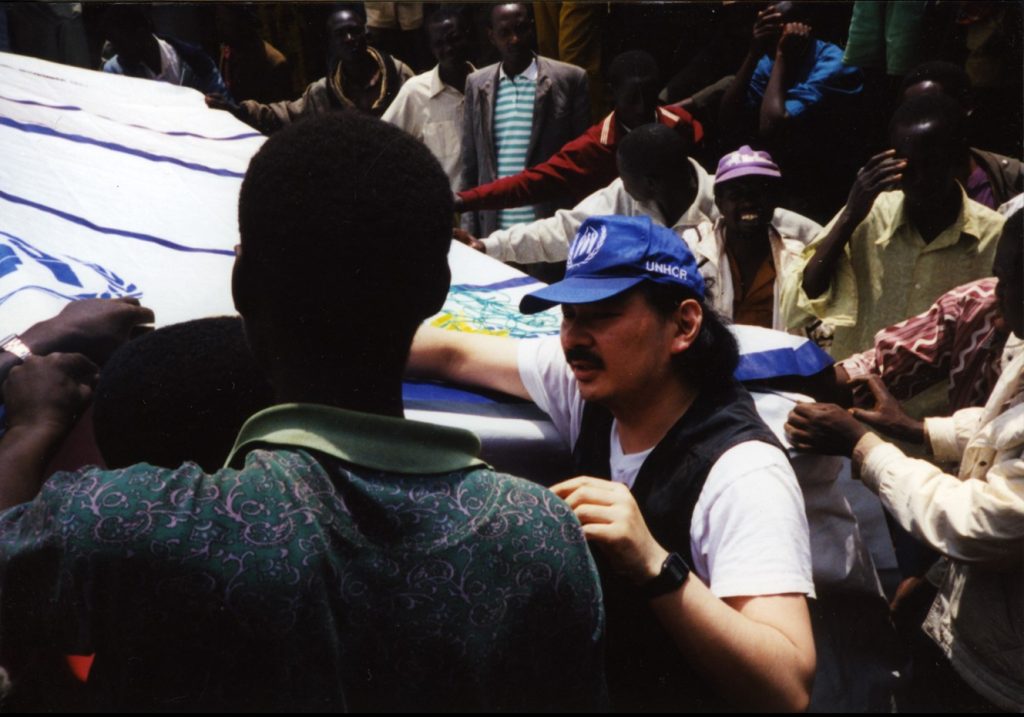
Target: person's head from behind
939, 77
1008, 268
635, 82
346, 33
130, 31
448, 33
511, 31
180, 393
654, 167
747, 190
635, 316
345, 225
929, 132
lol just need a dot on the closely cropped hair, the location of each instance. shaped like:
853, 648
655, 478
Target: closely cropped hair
348, 220
712, 359
633, 64
952, 78
180, 393
933, 108
495, 5
654, 150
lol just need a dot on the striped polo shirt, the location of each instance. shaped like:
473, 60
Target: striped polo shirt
513, 124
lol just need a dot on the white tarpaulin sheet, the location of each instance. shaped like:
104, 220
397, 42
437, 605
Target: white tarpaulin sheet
114, 186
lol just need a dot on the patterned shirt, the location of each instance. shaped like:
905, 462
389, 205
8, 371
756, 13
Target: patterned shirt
888, 272
955, 342
351, 562
513, 125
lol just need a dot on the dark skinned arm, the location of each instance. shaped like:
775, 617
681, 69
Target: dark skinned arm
44, 398
882, 172
767, 29
792, 47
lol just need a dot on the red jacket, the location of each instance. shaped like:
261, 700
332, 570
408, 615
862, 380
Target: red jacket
578, 169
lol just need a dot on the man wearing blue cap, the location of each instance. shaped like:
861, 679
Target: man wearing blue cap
696, 516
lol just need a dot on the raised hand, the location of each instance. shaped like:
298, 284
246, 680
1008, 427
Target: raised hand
94, 327
767, 29
882, 172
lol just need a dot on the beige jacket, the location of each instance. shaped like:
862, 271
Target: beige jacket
976, 519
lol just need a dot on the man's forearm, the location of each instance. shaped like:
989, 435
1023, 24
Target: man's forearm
731, 109
819, 270
25, 452
773, 106
752, 663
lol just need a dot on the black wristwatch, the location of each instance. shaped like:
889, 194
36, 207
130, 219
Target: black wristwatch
674, 572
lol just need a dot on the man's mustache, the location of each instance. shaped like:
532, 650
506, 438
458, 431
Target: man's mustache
582, 354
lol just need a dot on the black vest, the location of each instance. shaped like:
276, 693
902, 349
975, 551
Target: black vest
645, 669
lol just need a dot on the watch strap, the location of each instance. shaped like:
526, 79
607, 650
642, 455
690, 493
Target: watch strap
14, 345
674, 572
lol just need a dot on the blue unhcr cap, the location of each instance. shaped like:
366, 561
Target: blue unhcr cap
612, 254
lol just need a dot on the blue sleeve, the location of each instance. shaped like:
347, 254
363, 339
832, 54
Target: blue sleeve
759, 81
828, 76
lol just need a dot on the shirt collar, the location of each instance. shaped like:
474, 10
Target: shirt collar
966, 223
530, 73
437, 85
395, 445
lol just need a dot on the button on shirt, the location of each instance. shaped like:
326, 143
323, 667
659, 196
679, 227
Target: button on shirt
888, 272
431, 111
513, 125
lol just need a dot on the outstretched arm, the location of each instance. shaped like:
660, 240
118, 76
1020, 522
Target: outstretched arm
475, 359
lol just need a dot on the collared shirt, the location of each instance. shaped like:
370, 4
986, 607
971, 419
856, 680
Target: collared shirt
788, 235
343, 561
513, 126
954, 343
432, 111
547, 240
888, 272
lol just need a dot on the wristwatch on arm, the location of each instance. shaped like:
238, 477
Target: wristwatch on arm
674, 572
13, 344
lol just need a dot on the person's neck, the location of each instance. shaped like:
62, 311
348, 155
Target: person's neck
644, 419
364, 391
360, 68
671, 207
454, 74
517, 66
932, 218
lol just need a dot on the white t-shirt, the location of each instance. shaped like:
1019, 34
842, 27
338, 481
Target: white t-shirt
749, 532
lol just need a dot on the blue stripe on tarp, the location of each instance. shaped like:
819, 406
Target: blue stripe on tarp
113, 146
73, 108
805, 360
498, 285
166, 243
432, 392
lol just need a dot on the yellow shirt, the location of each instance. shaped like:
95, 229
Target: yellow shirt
888, 272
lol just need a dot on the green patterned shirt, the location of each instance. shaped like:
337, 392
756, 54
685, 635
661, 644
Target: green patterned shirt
352, 562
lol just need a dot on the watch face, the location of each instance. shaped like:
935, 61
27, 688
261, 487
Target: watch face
674, 572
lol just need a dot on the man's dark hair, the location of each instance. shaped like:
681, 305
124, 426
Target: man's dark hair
952, 78
940, 109
494, 6
345, 223
712, 359
356, 8
449, 11
633, 64
654, 150
180, 393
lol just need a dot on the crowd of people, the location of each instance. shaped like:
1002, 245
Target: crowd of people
263, 529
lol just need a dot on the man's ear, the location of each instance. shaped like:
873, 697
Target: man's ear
687, 322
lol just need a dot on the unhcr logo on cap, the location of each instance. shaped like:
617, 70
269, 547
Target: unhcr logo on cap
586, 246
